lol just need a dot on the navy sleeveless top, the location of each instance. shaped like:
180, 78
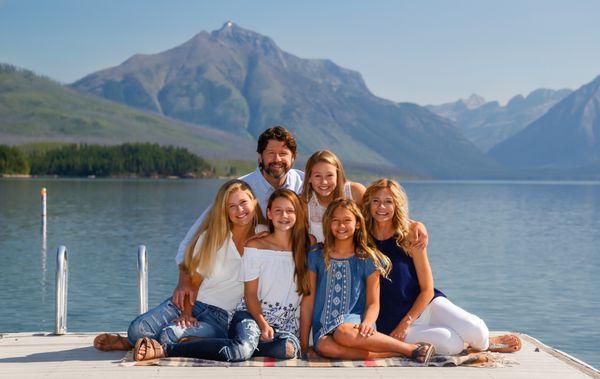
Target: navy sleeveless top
399, 292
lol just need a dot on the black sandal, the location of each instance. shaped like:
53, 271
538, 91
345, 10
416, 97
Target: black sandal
423, 352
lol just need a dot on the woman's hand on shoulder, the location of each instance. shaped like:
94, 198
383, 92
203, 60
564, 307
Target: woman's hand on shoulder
417, 237
358, 191
255, 238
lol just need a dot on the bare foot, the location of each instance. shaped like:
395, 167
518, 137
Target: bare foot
290, 350
508, 343
146, 349
423, 352
109, 341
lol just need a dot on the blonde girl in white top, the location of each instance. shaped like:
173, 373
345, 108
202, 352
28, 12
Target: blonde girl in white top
213, 261
325, 181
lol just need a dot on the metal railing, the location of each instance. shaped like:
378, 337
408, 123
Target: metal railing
62, 284
142, 271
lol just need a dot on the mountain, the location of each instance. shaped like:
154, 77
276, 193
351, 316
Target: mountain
241, 82
567, 136
35, 108
488, 123
454, 110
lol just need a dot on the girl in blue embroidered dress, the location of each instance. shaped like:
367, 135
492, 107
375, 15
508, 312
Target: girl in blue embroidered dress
343, 295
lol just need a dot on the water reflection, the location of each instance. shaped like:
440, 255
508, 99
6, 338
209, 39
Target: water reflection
43, 278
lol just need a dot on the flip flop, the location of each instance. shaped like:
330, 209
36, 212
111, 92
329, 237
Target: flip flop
504, 346
423, 352
154, 349
110, 341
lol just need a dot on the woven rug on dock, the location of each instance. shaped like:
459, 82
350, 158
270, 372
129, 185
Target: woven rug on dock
474, 359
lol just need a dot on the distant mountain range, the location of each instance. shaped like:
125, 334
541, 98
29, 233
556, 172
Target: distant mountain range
567, 136
239, 81
35, 108
216, 92
488, 123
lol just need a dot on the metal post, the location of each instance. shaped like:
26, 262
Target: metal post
43, 194
142, 267
62, 281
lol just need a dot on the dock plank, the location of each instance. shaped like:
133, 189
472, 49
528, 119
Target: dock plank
39, 355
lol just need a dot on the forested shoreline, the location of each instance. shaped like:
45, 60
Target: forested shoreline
84, 160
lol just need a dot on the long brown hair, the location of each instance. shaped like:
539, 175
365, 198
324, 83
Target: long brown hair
201, 252
363, 248
300, 240
400, 219
324, 156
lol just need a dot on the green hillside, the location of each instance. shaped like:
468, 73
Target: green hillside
35, 108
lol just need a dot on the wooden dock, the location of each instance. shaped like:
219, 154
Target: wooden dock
40, 355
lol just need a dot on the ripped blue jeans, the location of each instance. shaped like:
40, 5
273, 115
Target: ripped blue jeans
243, 343
157, 323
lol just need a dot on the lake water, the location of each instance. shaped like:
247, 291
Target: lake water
524, 256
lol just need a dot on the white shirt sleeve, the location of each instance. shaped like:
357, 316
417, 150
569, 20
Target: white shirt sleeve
188, 237
250, 268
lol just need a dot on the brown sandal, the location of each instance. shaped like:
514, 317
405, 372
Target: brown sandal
154, 349
109, 342
507, 343
423, 352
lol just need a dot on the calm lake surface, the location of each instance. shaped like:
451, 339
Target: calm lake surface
525, 256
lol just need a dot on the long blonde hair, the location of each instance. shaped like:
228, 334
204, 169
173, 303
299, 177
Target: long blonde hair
215, 229
324, 156
400, 219
363, 248
300, 239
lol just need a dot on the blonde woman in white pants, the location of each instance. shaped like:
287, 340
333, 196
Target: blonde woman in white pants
411, 308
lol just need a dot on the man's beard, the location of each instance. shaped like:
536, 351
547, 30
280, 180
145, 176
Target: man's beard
271, 172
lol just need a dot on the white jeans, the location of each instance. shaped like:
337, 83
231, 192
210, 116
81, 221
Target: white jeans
448, 327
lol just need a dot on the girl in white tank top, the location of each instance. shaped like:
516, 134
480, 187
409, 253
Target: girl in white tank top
325, 181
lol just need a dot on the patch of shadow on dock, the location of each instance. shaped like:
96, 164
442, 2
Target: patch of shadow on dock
88, 353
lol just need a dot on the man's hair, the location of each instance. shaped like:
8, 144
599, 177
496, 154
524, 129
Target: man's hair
278, 133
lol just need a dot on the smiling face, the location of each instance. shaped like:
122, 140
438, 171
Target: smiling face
277, 159
282, 214
343, 224
382, 206
240, 208
323, 178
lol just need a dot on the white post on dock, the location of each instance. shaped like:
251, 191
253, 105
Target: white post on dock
62, 281
142, 268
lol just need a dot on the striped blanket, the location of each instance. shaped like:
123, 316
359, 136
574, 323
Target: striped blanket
474, 359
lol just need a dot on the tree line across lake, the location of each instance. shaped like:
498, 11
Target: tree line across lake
129, 159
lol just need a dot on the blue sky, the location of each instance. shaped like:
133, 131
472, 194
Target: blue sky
426, 52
